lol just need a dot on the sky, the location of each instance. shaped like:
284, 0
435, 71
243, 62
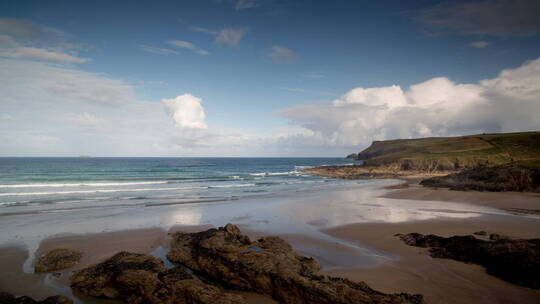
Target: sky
268, 78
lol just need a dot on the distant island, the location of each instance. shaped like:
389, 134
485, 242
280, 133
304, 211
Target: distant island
492, 162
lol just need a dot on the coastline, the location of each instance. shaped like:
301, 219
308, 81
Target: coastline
411, 270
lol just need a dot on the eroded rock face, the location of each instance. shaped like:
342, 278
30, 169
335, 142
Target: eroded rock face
140, 278
269, 266
57, 259
7, 298
516, 261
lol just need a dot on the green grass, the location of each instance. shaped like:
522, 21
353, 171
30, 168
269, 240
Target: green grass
447, 153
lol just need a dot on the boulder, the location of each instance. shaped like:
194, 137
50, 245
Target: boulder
57, 259
270, 266
139, 278
516, 261
7, 298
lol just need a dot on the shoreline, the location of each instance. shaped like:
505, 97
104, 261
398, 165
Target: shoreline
410, 270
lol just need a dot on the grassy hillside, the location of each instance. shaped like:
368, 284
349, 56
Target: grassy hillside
453, 153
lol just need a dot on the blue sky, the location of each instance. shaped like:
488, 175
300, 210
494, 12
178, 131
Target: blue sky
256, 69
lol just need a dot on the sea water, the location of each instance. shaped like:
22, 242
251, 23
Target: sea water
48, 184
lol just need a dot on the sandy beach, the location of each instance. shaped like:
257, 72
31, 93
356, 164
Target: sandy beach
362, 251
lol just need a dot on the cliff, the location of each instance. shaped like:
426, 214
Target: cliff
493, 162
452, 153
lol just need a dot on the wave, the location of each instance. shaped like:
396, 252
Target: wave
232, 186
294, 173
122, 190
58, 185
298, 168
99, 191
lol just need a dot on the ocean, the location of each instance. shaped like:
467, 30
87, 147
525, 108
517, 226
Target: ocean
30, 185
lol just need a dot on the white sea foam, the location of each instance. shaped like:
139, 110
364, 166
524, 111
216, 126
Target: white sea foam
294, 172
232, 186
122, 190
58, 185
98, 191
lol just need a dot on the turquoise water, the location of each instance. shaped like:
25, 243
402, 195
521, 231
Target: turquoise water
37, 184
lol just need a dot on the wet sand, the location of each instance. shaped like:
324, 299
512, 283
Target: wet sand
442, 280
399, 268
509, 201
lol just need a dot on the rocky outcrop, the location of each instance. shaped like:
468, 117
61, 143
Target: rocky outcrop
519, 176
352, 156
139, 278
516, 261
57, 259
7, 298
269, 266
365, 172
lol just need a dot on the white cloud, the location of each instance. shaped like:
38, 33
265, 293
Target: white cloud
156, 50
11, 48
229, 36
5, 116
386, 96
187, 111
188, 45
485, 17
244, 4
436, 107
281, 54
480, 44
84, 119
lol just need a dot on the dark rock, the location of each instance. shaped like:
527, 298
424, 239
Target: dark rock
7, 298
225, 255
482, 233
517, 176
496, 237
57, 259
516, 261
139, 278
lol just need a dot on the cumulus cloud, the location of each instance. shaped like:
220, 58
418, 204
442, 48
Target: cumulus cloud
187, 111
436, 107
480, 44
188, 45
281, 54
229, 36
484, 17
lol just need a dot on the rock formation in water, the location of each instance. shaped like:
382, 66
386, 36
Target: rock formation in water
516, 261
269, 266
57, 259
7, 298
139, 278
